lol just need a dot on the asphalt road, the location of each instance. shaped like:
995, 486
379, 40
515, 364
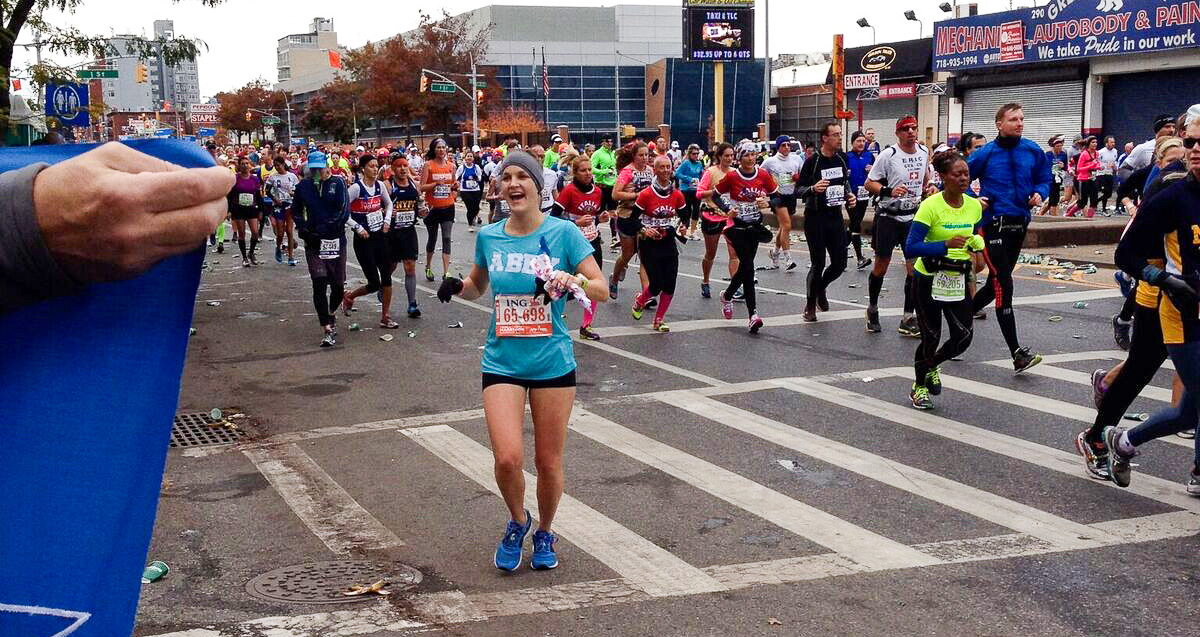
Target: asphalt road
718, 483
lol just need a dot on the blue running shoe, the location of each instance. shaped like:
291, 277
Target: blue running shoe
1125, 282
508, 553
705, 291
544, 557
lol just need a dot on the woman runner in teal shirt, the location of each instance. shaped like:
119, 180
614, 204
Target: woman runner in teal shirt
529, 353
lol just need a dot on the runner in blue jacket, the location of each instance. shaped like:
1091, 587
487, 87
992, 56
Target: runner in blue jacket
1014, 176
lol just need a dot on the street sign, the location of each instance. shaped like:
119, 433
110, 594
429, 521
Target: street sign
480, 84
861, 81
270, 120
206, 132
69, 103
203, 113
96, 74
441, 87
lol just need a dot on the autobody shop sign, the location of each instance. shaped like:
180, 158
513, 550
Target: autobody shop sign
1064, 30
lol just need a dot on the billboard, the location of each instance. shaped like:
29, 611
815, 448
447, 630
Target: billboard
1065, 30
718, 31
203, 113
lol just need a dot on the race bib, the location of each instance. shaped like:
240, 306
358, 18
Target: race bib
330, 248
862, 193
657, 222
374, 221
748, 212
830, 174
522, 316
245, 199
835, 195
590, 231
470, 184
949, 287
406, 217
441, 191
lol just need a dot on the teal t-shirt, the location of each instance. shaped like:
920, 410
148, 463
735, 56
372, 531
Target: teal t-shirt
509, 262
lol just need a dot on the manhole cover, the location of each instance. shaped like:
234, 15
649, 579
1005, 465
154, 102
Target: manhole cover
323, 582
198, 430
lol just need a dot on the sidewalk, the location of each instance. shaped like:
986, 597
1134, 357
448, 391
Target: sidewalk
1045, 233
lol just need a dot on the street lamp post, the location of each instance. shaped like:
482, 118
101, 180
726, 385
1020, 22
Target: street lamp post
617, 84
474, 89
862, 22
911, 16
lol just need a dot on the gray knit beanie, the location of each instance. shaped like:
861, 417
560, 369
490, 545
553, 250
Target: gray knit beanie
526, 162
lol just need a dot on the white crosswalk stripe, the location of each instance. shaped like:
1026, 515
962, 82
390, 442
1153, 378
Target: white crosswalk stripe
648, 567
979, 503
854, 542
1147, 486
1082, 378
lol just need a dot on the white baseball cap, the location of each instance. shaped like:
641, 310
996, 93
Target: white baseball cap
475, 148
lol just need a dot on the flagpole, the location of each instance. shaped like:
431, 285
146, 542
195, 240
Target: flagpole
546, 88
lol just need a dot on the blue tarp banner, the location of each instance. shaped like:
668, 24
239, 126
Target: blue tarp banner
1065, 30
88, 390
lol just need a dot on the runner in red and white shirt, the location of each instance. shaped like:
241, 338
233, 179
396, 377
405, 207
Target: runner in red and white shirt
581, 202
748, 188
656, 211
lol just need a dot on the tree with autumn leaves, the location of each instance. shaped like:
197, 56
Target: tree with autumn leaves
254, 98
382, 86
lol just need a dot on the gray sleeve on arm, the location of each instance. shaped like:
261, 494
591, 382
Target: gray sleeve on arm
28, 273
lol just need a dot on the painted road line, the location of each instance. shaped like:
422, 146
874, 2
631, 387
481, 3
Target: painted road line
1026, 400
1085, 379
1070, 357
1069, 463
666, 367
721, 285
770, 321
970, 500
427, 613
1067, 297
844, 538
647, 566
340, 430
322, 504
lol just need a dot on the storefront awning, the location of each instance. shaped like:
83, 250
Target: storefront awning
1064, 30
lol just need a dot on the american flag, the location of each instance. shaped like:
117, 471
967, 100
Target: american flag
545, 75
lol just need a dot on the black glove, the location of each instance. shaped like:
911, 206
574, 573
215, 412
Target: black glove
1181, 294
450, 286
539, 290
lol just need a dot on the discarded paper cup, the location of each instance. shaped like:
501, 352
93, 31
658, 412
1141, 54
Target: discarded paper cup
386, 338
154, 571
215, 414
1079, 305
412, 334
455, 325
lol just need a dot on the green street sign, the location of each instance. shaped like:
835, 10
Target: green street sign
441, 87
480, 84
89, 74
270, 120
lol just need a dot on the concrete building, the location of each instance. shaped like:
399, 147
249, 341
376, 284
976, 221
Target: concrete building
179, 84
302, 59
587, 50
166, 87
802, 96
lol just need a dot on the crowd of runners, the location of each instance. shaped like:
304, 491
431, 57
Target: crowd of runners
951, 211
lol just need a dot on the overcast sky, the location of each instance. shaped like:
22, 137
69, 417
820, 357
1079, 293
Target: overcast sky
241, 34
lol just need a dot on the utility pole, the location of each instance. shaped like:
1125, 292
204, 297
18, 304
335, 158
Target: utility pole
287, 101
767, 71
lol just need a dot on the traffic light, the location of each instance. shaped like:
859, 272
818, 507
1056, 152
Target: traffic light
249, 116
140, 72
424, 83
479, 95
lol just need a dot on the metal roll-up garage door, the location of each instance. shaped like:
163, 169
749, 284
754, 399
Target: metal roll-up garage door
882, 115
943, 129
1050, 109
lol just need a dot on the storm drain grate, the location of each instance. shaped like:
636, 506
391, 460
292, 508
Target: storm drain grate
198, 430
324, 582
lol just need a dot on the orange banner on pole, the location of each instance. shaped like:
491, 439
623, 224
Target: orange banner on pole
839, 83
335, 59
